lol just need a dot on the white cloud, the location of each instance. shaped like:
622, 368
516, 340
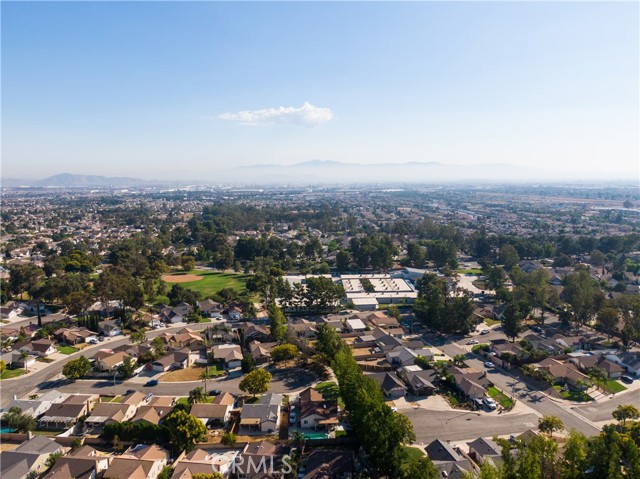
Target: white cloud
306, 115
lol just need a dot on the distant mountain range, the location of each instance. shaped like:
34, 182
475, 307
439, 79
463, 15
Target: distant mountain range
323, 171
68, 180
335, 172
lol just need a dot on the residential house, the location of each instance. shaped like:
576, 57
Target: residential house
140, 462
419, 381
256, 453
62, 416
184, 337
105, 309
83, 463
39, 347
200, 461
110, 328
254, 332
212, 415
630, 360
587, 362
35, 407
225, 398
151, 414
11, 310
107, 413
441, 451
323, 463
22, 362
228, 354
573, 342
75, 335
210, 308
355, 325
28, 459
485, 449
472, 383
174, 360
391, 386
109, 361
304, 328
563, 373
261, 352
263, 416
316, 412
235, 311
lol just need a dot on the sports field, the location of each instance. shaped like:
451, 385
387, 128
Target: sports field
208, 282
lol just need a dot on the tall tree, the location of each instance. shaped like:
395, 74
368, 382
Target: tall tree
277, 323
256, 382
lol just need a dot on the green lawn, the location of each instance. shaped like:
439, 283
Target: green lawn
469, 271
186, 402
214, 281
330, 391
501, 398
411, 454
571, 395
491, 322
11, 373
614, 386
67, 349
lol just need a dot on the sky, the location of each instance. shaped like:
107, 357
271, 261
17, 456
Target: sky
185, 90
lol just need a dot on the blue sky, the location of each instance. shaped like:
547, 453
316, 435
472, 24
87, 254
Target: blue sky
184, 90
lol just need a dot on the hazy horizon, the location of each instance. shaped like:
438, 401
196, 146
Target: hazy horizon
186, 91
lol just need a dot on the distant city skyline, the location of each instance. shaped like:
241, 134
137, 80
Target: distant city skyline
172, 90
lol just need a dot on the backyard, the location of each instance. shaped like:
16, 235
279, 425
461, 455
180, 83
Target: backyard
330, 391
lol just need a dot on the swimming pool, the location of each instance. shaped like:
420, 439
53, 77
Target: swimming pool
6, 429
315, 435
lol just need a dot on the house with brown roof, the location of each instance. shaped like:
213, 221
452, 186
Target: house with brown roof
256, 458
107, 413
225, 398
28, 459
228, 354
62, 416
323, 463
75, 335
174, 360
38, 347
316, 412
83, 463
201, 461
110, 362
563, 373
212, 415
151, 414
587, 362
261, 352
139, 462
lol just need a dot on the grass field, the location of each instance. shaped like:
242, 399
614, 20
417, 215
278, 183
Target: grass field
500, 397
614, 386
185, 400
11, 373
213, 281
67, 349
491, 322
571, 395
475, 271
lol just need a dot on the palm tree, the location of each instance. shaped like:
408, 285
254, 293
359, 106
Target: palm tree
24, 355
197, 395
599, 375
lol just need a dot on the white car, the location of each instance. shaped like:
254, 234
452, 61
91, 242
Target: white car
490, 403
489, 364
485, 331
472, 341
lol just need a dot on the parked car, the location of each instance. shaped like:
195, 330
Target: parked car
490, 403
153, 382
485, 331
472, 341
489, 364
625, 378
215, 392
